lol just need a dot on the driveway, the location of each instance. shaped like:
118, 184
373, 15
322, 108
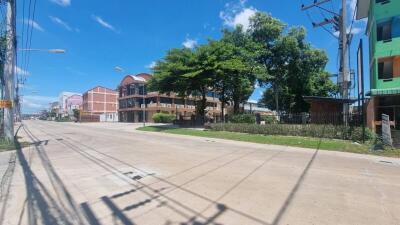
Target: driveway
112, 174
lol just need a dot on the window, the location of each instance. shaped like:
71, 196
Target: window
384, 31
382, 1
385, 70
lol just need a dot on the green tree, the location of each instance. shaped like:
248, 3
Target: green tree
235, 70
266, 31
77, 114
185, 72
294, 68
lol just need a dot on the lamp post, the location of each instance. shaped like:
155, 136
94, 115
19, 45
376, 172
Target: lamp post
144, 105
53, 51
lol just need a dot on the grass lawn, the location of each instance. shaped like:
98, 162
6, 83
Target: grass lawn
8, 146
304, 142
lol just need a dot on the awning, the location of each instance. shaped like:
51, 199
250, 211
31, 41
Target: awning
382, 92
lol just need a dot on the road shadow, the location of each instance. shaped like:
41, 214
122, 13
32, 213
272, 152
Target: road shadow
42, 207
298, 184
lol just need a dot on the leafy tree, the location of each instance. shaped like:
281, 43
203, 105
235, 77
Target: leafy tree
266, 30
77, 114
186, 72
294, 68
235, 70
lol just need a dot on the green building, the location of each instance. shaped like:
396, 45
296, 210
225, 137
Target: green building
383, 30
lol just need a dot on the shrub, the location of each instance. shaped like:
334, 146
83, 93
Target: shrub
269, 119
163, 118
243, 118
63, 119
309, 130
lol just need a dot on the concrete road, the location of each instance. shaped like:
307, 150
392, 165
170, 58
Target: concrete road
111, 174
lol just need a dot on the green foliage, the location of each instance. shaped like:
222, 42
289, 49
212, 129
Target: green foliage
163, 118
243, 118
63, 119
186, 72
268, 52
294, 68
269, 119
77, 113
310, 130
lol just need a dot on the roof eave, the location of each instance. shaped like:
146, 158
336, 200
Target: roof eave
362, 9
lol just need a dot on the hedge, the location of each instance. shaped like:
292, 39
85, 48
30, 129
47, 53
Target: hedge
309, 130
163, 118
243, 118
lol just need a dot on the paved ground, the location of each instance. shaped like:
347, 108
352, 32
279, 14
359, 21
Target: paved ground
111, 174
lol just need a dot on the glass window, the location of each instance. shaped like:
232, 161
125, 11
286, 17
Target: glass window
165, 100
396, 27
385, 69
382, 1
384, 31
179, 101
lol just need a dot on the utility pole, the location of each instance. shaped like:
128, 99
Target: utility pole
344, 61
9, 72
340, 25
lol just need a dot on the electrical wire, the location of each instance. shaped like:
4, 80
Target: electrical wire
352, 22
323, 27
29, 27
30, 40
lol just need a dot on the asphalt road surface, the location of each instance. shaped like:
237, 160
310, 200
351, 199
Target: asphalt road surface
111, 174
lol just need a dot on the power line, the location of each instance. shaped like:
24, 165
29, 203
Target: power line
30, 40
340, 24
314, 23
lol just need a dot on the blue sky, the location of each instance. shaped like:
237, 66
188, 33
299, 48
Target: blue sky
100, 35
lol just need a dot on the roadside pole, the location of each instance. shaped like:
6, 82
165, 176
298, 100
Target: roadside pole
9, 72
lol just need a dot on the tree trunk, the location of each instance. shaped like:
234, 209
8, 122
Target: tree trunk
203, 103
223, 101
236, 104
276, 90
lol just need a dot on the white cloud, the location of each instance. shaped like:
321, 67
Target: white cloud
34, 103
151, 65
104, 23
34, 24
237, 14
63, 3
189, 43
60, 22
20, 71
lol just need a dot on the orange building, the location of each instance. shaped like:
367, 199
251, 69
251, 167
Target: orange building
101, 101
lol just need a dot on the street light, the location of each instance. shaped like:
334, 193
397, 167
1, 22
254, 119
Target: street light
53, 51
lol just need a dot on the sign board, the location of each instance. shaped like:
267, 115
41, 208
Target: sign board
386, 132
5, 104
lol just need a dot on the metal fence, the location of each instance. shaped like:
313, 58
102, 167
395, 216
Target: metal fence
351, 119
